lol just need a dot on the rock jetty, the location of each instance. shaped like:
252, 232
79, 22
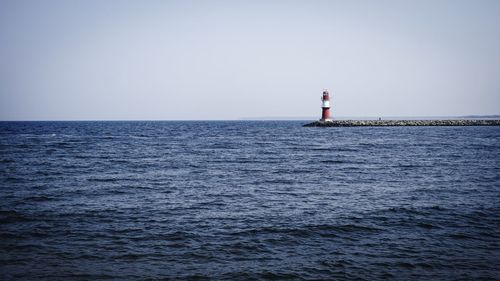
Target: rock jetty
392, 123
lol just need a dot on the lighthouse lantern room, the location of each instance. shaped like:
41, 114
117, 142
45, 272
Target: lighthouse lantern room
325, 114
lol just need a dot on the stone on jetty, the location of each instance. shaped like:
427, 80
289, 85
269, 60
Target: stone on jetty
392, 123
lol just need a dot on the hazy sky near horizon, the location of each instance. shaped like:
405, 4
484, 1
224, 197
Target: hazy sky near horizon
92, 59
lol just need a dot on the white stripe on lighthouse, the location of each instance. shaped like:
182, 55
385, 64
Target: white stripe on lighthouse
326, 103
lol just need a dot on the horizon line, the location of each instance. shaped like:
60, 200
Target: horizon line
276, 118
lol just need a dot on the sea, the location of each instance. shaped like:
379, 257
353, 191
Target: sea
247, 200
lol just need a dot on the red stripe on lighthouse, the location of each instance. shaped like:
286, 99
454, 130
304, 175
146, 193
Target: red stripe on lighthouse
326, 113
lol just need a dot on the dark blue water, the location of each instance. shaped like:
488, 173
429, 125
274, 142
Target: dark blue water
248, 201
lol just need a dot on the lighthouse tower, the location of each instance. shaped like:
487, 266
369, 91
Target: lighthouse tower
325, 114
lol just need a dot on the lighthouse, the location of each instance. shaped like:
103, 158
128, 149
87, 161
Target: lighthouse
325, 113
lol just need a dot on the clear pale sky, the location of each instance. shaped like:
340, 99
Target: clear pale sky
74, 60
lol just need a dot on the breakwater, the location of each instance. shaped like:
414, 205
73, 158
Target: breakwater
392, 123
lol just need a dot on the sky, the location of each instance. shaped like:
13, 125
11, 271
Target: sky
226, 60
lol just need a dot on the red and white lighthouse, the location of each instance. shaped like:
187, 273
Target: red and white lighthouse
325, 114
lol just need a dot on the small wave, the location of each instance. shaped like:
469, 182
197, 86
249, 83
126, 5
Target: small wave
23, 146
40, 198
346, 149
139, 136
23, 247
14, 179
194, 277
347, 228
309, 230
80, 276
427, 225
46, 173
424, 265
404, 265
223, 146
403, 210
5, 236
436, 208
177, 237
460, 236
336, 263
131, 256
270, 275
95, 179
12, 217
62, 145
333, 161
321, 149
408, 166
39, 234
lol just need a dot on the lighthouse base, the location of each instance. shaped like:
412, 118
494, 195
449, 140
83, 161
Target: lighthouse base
327, 120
